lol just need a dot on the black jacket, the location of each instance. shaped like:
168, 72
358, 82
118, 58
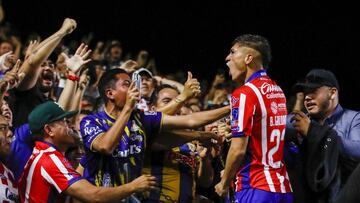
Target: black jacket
316, 175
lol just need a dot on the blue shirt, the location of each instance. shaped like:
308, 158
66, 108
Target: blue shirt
127, 158
21, 150
346, 123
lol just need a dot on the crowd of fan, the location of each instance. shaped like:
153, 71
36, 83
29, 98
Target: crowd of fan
47, 83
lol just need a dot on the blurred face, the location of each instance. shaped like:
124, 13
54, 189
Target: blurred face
115, 53
5, 137
5, 47
147, 86
63, 134
118, 95
318, 103
185, 110
165, 96
47, 76
75, 155
236, 63
6, 112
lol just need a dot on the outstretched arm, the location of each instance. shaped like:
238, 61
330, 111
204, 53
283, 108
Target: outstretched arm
194, 120
172, 138
31, 66
74, 65
84, 191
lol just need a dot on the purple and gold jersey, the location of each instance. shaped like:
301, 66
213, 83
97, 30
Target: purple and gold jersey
126, 160
175, 173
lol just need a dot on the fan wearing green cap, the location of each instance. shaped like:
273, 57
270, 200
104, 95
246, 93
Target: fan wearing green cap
48, 173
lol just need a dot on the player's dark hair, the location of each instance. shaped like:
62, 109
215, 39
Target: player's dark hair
257, 42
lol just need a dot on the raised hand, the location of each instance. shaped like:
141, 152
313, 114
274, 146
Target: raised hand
224, 129
130, 66
144, 183
191, 87
208, 138
12, 78
219, 78
31, 47
7, 61
79, 59
132, 96
301, 122
68, 26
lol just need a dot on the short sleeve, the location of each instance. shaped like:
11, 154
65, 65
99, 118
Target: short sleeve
152, 121
242, 112
90, 128
58, 172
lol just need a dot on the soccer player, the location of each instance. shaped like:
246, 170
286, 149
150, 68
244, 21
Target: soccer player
254, 164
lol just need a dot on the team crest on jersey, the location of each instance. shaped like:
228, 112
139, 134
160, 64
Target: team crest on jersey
234, 100
134, 127
274, 107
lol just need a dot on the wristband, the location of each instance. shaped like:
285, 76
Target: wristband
73, 77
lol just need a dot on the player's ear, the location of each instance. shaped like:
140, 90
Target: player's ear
248, 58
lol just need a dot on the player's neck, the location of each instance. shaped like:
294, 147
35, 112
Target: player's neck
250, 71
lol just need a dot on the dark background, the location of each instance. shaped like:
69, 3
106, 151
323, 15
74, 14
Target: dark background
197, 36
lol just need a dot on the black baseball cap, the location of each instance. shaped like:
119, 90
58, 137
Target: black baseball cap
315, 79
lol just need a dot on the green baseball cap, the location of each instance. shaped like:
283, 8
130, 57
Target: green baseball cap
46, 113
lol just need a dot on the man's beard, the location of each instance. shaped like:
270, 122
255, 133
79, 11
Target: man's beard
45, 89
323, 109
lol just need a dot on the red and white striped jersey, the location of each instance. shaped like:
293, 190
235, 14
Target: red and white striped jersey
258, 110
46, 174
8, 186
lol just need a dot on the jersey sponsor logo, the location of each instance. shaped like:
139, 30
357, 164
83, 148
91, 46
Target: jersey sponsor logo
275, 95
133, 149
95, 130
267, 88
274, 107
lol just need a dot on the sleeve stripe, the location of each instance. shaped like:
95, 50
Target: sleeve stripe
61, 166
241, 112
49, 179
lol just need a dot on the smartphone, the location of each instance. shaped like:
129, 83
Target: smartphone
137, 79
